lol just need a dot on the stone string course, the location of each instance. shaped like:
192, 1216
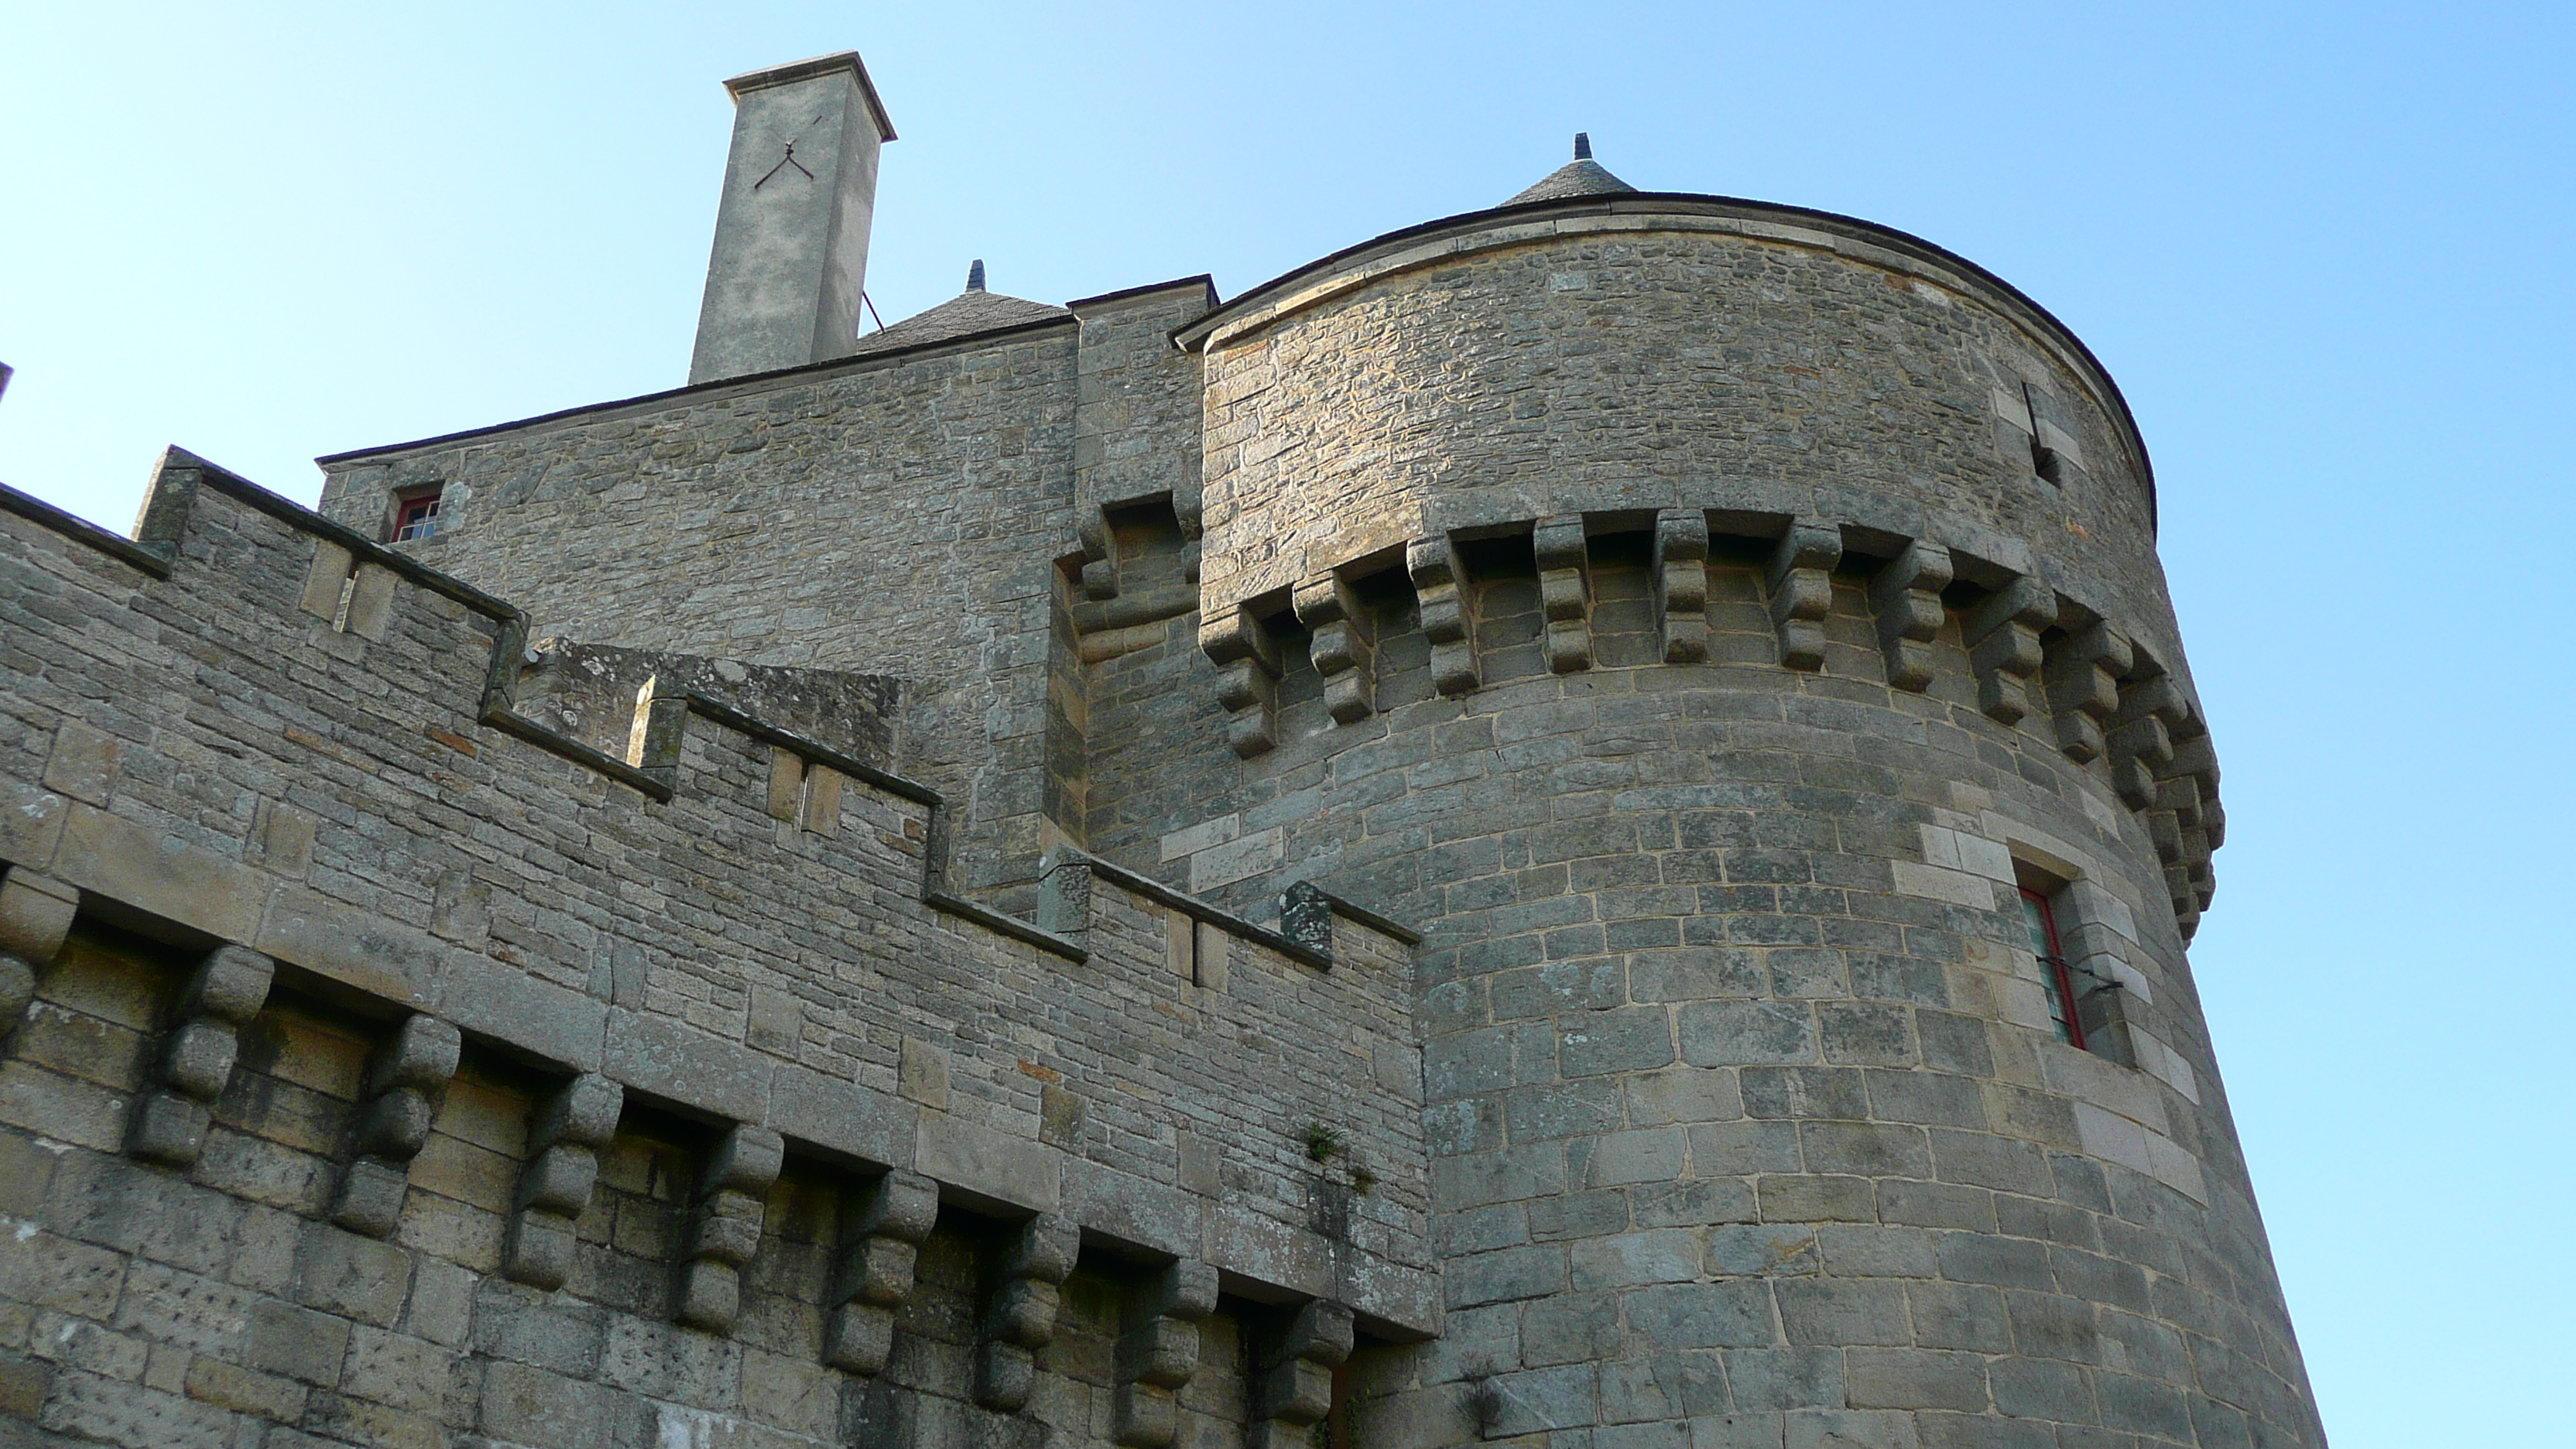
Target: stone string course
1429, 856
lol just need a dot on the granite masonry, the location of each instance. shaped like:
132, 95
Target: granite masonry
1573, 827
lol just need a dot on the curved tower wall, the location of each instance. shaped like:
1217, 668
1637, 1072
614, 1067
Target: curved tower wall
1661, 604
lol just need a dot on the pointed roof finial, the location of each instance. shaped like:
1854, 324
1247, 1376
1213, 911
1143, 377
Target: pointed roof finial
1581, 176
975, 275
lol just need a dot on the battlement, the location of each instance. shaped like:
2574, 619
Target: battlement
728, 920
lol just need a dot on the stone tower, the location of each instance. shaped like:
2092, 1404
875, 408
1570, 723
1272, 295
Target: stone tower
1575, 826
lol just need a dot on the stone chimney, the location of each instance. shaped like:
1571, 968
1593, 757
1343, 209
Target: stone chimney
791, 248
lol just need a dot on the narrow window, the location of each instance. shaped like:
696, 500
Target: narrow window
2054, 977
416, 516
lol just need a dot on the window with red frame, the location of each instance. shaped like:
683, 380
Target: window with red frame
418, 517
2054, 976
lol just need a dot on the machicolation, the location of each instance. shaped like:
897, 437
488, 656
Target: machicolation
1574, 826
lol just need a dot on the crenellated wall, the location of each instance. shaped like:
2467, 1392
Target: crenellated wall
395, 1066
807, 961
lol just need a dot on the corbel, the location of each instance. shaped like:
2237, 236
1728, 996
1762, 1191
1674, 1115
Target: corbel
2003, 643
405, 1083
36, 913
1099, 554
2140, 739
1020, 1311
566, 1134
1800, 579
1248, 669
882, 1229
1440, 584
1158, 1353
653, 745
1293, 1384
724, 1231
1681, 584
1558, 544
227, 991
2082, 675
1905, 599
1344, 647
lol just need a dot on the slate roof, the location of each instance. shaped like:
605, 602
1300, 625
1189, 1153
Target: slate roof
969, 312
1581, 176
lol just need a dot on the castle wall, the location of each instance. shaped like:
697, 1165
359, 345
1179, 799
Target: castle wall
1676, 629
251, 747
876, 516
1663, 352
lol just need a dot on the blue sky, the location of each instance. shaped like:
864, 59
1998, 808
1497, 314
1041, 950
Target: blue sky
2326, 250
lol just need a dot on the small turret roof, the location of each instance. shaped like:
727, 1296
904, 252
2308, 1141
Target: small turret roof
969, 312
1581, 176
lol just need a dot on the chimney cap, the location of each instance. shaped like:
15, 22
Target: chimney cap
821, 65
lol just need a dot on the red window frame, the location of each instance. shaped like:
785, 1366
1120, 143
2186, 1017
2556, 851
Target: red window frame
2057, 977
417, 516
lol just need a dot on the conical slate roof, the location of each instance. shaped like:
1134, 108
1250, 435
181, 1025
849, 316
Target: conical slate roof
969, 312
1581, 176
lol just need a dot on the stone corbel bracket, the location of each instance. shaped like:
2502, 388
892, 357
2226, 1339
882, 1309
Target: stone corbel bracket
1905, 596
724, 1231
1800, 580
1158, 1353
1681, 585
36, 914
2140, 740
882, 1229
1448, 620
1562, 551
405, 1084
1020, 1311
2083, 675
1292, 1387
1248, 669
2002, 632
169, 1122
1344, 649
566, 1134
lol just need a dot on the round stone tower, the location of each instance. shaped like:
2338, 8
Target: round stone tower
1734, 635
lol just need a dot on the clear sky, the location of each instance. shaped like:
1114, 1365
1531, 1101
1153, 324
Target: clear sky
2325, 249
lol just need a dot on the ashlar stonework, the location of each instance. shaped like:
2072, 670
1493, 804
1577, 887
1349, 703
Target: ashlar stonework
1443, 852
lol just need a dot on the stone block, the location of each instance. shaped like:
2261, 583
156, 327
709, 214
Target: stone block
370, 1198
352, 1276
17, 991
583, 1112
421, 1057
1736, 1033
230, 985
709, 1297
36, 913
859, 1338
1632, 1039
84, 762
197, 1059
1702, 1315
167, 1128
1005, 1376
395, 1125
746, 1159
922, 1073
538, 1250
558, 1180
982, 1161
